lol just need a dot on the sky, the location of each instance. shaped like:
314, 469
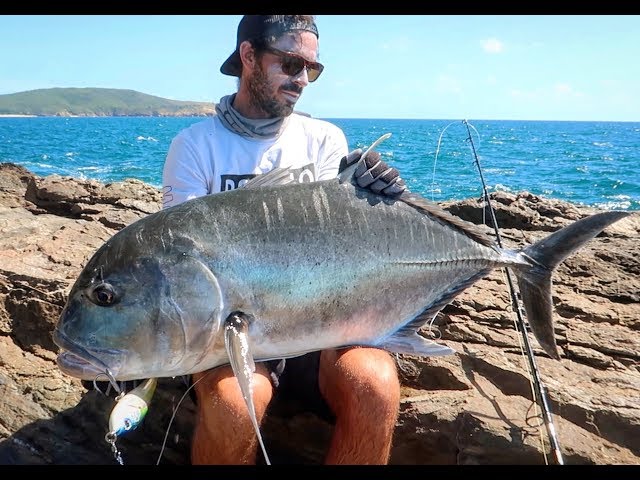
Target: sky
489, 67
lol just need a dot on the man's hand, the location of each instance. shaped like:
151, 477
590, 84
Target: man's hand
374, 174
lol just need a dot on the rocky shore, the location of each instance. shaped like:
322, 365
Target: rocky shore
475, 407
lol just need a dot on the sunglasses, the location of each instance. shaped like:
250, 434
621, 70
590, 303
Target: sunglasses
293, 64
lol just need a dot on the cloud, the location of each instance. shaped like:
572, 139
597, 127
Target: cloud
492, 45
565, 90
448, 84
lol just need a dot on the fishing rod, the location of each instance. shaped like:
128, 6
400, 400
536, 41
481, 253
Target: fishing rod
540, 391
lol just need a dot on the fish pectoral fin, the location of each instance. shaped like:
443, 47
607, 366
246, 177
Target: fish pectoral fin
414, 344
236, 342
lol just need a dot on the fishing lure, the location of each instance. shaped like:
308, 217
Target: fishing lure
129, 412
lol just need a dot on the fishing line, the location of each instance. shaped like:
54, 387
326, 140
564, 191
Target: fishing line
435, 161
533, 405
173, 415
539, 390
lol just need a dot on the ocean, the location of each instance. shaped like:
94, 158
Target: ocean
586, 163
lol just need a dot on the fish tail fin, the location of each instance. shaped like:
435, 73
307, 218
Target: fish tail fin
545, 255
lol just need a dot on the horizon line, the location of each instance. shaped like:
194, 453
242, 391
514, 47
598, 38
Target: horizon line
17, 115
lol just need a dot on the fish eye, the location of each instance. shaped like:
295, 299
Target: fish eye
103, 294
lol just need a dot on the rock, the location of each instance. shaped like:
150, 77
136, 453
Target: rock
475, 407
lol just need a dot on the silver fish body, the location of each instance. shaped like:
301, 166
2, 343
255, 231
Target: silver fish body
313, 266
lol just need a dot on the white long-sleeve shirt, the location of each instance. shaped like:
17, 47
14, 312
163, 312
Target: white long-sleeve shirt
208, 158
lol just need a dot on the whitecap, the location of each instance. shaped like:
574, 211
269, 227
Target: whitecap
499, 187
613, 205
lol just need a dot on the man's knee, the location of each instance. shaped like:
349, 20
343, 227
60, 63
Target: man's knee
224, 432
362, 376
218, 390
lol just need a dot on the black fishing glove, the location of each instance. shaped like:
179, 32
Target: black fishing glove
374, 174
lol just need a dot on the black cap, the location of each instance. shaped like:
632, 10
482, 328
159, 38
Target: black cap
261, 26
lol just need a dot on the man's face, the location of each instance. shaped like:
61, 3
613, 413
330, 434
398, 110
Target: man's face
272, 90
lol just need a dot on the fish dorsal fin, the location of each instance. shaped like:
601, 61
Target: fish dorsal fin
346, 175
277, 176
444, 217
421, 204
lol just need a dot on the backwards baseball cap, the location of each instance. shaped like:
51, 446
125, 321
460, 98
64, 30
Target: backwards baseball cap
262, 26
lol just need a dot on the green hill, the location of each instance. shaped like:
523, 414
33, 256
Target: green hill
97, 102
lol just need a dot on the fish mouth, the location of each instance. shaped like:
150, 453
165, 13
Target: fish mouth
76, 361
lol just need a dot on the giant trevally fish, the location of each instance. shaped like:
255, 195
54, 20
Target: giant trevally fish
279, 269
311, 266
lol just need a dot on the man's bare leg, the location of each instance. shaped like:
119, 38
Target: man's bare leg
223, 432
362, 388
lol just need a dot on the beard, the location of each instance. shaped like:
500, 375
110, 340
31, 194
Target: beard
262, 96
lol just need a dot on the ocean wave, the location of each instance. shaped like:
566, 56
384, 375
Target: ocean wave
581, 162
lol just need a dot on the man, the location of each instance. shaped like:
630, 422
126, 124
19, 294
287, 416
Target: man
256, 130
